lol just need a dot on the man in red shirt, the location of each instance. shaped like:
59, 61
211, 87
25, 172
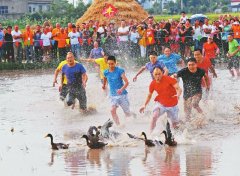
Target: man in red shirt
210, 50
168, 92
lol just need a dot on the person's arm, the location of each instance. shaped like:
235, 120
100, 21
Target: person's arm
55, 77
88, 60
139, 72
84, 79
146, 102
104, 83
126, 83
203, 51
165, 71
178, 90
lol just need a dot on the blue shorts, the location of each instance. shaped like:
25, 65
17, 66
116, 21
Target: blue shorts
121, 100
172, 112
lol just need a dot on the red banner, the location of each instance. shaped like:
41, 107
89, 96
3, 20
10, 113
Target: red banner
109, 10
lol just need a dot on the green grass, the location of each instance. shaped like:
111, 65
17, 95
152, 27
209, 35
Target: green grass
211, 16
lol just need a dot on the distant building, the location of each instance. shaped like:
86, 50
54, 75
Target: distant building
14, 9
235, 5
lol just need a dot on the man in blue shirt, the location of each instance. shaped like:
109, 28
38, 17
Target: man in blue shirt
170, 60
118, 83
151, 65
77, 78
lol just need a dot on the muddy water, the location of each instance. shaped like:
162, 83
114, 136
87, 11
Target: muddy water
30, 107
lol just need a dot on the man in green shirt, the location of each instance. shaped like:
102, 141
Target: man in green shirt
233, 55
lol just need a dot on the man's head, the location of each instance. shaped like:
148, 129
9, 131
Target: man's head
230, 38
183, 14
210, 39
167, 52
38, 27
69, 25
198, 55
16, 28
27, 27
58, 25
70, 58
152, 56
123, 23
157, 73
95, 44
9, 29
192, 65
74, 28
111, 60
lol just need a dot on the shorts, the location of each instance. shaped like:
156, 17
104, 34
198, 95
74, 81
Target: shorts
172, 112
121, 100
233, 62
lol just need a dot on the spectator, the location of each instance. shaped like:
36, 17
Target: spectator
75, 46
17, 44
38, 44
28, 43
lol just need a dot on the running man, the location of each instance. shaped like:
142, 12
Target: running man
168, 93
192, 89
151, 65
64, 89
118, 82
76, 82
233, 56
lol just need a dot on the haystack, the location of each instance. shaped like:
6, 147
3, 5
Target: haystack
126, 9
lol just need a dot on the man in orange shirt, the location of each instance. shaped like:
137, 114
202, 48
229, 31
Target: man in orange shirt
236, 31
62, 44
28, 43
55, 35
168, 92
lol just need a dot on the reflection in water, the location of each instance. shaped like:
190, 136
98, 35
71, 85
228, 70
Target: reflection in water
199, 161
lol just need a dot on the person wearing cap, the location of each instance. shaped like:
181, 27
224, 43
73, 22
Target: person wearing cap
233, 56
154, 62
236, 31
75, 46
168, 93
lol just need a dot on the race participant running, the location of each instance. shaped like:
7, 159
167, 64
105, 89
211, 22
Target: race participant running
192, 89
118, 82
171, 60
77, 79
168, 92
64, 89
233, 56
151, 65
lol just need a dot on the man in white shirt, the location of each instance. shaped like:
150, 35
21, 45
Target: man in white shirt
46, 39
122, 33
74, 40
207, 30
17, 44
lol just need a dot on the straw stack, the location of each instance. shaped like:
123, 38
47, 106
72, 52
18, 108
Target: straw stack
127, 9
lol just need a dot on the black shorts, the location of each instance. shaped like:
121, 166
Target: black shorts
233, 62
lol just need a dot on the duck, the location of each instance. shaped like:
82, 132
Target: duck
57, 146
149, 142
91, 136
169, 140
94, 144
106, 133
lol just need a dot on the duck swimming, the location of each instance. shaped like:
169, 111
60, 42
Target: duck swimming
94, 144
149, 142
57, 146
